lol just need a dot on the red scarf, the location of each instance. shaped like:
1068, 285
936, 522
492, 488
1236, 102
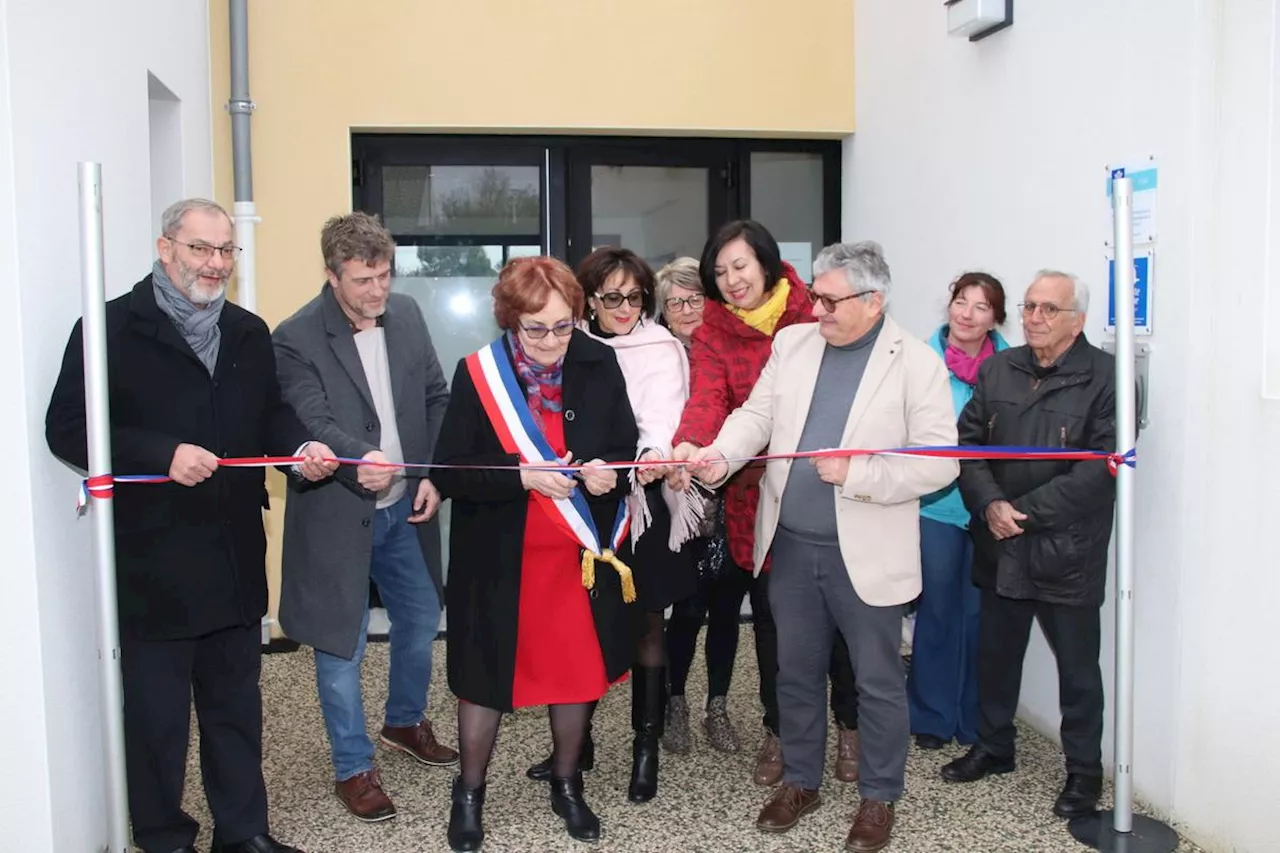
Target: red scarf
543, 385
964, 366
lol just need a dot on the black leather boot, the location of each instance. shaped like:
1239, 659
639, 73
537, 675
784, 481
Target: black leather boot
466, 817
567, 802
541, 772
648, 701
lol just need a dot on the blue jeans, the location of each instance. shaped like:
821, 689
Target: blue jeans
942, 688
413, 606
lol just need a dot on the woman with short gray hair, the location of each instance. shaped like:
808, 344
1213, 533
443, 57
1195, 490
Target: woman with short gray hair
721, 586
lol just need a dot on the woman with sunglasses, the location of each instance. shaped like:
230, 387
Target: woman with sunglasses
544, 617
619, 288
751, 294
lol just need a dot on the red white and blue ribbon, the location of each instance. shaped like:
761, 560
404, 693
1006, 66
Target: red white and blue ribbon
101, 486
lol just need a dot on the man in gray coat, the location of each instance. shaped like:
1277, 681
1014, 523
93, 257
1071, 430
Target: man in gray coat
357, 365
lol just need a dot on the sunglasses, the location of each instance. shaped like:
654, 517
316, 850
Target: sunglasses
613, 299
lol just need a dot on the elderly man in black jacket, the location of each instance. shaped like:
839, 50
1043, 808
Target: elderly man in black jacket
1041, 531
191, 378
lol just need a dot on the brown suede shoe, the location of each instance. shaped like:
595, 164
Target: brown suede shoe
769, 762
847, 755
363, 796
785, 808
871, 828
420, 742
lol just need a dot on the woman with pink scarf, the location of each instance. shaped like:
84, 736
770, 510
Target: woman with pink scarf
619, 287
942, 688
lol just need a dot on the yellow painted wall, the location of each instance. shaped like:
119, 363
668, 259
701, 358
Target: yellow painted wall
322, 68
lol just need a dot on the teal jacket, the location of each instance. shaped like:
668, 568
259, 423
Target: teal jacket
945, 505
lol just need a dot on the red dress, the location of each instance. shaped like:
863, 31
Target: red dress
558, 659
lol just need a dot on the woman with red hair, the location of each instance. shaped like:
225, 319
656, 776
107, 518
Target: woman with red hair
545, 617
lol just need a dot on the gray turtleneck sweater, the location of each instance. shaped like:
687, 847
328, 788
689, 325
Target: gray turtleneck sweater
808, 508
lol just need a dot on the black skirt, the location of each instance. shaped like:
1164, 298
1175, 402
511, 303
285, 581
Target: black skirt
662, 577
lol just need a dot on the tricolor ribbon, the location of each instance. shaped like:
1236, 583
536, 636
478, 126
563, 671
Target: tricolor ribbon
101, 485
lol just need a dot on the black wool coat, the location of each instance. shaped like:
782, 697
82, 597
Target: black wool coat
1061, 558
189, 560
488, 518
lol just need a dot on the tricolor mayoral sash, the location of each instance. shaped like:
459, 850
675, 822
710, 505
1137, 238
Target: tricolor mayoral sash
504, 402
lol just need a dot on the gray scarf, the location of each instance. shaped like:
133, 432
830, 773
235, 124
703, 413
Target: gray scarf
199, 326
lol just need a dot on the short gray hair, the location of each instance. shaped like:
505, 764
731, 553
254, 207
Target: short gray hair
863, 265
1079, 290
171, 219
682, 272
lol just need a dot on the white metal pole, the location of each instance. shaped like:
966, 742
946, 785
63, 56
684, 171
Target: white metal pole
98, 426
1126, 435
246, 221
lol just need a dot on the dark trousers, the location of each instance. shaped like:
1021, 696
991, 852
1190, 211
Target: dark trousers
1074, 635
220, 670
719, 602
943, 684
844, 691
812, 597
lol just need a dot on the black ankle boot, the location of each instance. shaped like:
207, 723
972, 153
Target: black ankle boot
541, 772
466, 817
567, 802
648, 701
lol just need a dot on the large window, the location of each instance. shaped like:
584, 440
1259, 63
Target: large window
461, 206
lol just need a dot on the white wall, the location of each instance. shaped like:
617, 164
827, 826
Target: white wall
992, 155
76, 75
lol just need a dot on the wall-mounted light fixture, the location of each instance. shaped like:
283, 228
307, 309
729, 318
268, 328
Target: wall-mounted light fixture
977, 19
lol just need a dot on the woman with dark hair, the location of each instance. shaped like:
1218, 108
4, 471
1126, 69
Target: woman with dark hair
751, 294
942, 687
543, 618
619, 288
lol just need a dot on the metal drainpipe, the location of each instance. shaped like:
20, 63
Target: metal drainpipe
244, 214
240, 107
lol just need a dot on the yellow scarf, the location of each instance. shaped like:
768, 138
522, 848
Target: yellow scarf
765, 318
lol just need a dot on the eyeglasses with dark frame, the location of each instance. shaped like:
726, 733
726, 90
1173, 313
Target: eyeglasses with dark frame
829, 303
675, 304
613, 299
1047, 309
537, 333
203, 251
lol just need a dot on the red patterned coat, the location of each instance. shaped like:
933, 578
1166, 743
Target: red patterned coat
725, 360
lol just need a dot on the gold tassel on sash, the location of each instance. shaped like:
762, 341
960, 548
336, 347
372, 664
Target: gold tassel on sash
623, 570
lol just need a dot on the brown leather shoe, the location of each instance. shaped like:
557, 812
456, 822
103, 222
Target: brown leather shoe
363, 796
769, 762
871, 828
420, 742
785, 808
847, 755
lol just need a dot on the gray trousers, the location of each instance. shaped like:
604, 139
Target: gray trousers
811, 597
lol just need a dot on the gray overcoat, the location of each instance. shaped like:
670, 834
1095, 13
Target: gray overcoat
328, 526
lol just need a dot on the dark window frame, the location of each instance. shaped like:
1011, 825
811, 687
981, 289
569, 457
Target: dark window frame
564, 164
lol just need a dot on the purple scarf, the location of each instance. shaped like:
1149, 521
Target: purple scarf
543, 385
964, 366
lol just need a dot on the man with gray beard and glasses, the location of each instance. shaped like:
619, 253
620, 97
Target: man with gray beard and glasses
191, 379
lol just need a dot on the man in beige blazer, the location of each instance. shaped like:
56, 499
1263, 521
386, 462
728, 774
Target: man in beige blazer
845, 531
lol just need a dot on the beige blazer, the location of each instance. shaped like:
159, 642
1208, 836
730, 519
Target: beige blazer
904, 400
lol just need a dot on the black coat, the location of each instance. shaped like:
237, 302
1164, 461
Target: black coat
188, 560
486, 533
1062, 556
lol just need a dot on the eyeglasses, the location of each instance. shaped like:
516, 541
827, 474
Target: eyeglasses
830, 304
1047, 309
613, 299
537, 333
203, 251
675, 304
